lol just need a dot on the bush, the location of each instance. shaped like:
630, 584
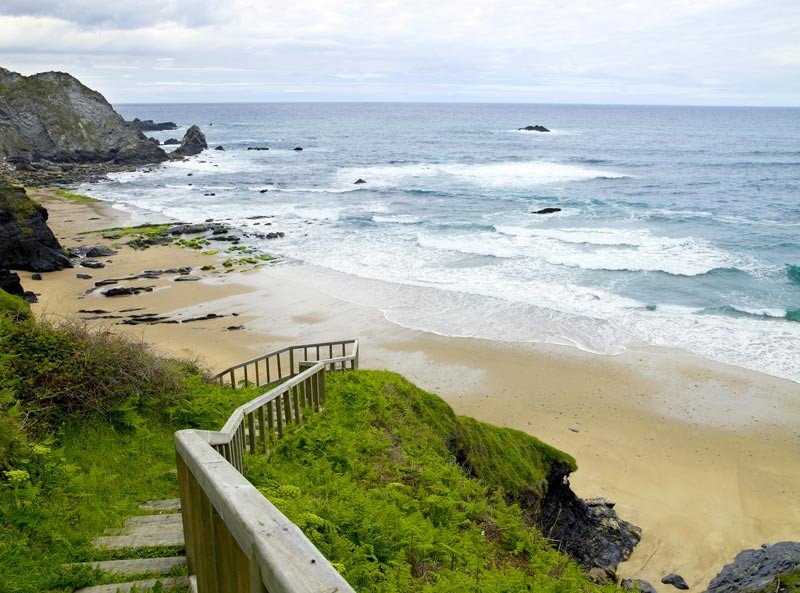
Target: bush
13, 307
61, 373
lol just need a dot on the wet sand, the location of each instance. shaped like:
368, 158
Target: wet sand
703, 456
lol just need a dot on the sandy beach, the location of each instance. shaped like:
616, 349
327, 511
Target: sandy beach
704, 457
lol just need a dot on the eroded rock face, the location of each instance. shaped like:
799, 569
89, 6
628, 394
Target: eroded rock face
26, 242
194, 142
587, 530
148, 125
755, 570
53, 117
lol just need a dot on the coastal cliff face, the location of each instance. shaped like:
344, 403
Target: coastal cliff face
52, 116
26, 242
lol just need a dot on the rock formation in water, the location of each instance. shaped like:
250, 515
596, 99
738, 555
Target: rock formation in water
194, 142
148, 125
536, 128
26, 242
53, 117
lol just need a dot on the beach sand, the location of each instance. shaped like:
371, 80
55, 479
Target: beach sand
704, 457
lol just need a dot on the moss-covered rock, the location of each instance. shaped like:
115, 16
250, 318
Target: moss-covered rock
52, 116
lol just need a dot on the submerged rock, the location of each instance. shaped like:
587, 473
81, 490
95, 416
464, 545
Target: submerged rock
126, 290
358, 181
676, 581
193, 143
755, 570
549, 210
298, 149
220, 147
26, 242
171, 141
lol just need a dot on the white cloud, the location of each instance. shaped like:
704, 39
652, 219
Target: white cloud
549, 50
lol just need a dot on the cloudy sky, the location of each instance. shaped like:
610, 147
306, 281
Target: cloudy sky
717, 52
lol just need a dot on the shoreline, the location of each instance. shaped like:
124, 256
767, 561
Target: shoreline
703, 456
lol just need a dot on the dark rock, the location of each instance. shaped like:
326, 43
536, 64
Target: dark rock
234, 327
26, 242
194, 142
257, 148
92, 251
536, 128
53, 117
108, 282
155, 141
126, 290
30, 297
358, 181
148, 125
187, 279
9, 281
587, 530
298, 149
94, 311
637, 585
220, 147
36, 276
757, 570
171, 141
94, 265
203, 318
676, 581
549, 210
263, 191
277, 235
83, 276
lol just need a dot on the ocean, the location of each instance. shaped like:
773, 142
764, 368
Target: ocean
679, 226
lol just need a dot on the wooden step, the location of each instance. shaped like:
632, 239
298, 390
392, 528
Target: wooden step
147, 535
180, 583
171, 505
144, 524
136, 565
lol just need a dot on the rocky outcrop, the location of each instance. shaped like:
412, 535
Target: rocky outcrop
637, 585
26, 242
536, 128
676, 581
171, 141
587, 530
53, 117
9, 281
756, 570
148, 125
194, 142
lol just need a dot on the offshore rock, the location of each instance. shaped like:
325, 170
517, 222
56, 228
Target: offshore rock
53, 117
548, 210
171, 141
589, 530
755, 570
148, 125
536, 128
193, 143
26, 242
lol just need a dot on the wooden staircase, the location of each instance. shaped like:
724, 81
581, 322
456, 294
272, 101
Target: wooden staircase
162, 527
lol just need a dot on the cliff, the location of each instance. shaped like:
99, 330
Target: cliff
52, 116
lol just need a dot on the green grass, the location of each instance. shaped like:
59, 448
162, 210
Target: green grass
14, 199
375, 483
143, 230
74, 197
785, 583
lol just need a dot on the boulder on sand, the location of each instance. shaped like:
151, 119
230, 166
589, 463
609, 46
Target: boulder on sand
757, 570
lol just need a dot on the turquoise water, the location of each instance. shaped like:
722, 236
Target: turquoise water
680, 226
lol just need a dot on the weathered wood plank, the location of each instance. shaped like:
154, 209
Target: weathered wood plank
168, 584
135, 565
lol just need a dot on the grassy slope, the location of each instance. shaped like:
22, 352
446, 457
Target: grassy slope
373, 480
375, 485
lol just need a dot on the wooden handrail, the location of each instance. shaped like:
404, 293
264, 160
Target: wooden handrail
271, 368
236, 540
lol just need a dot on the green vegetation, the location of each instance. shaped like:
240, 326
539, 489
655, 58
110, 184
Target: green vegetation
79, 198
395, 489
786, 583
374, 483
13, 199
86, 426
199, 243
142, 230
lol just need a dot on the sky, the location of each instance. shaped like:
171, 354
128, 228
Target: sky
679, 52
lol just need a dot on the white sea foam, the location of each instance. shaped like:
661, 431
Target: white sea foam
397, 219
512, 174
